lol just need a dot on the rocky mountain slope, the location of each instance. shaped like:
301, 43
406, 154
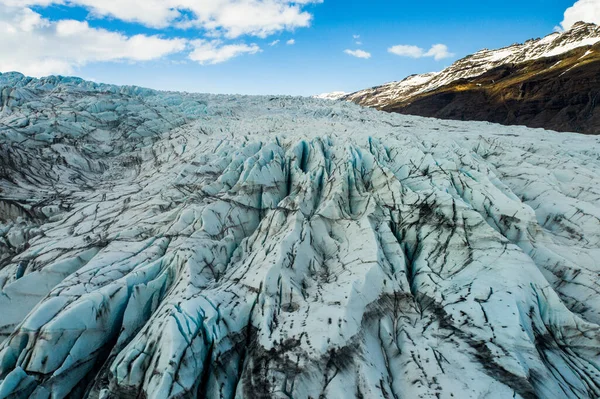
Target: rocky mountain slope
165, 245
552, 83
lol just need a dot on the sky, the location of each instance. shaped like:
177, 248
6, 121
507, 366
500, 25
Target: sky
296, 47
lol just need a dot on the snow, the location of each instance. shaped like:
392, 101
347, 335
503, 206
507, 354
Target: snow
167, 245
334, 95
549, 38
571, 46
498, 55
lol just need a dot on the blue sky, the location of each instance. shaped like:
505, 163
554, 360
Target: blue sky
228, 46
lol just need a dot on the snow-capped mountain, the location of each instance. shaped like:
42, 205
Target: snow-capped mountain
581, 43
165, 245
334, 95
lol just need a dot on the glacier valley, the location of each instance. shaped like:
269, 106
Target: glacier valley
171, 245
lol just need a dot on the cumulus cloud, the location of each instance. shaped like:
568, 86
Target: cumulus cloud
290, 42
582, 10
37, 46
437, 51
358, 53
214, 52
230, 18
406, 51
274, 43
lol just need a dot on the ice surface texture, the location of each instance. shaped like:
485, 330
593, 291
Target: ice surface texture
165, 245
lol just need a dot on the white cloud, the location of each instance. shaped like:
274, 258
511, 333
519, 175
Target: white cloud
582, 10
37, 46
274, 43
358, 53
406, 51
231, 18
290, 42
437, 51
213, 52
356, 37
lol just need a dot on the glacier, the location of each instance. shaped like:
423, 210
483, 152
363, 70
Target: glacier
175, 245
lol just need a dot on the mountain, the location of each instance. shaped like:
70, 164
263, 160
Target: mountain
552, 83
334, 95
170, 245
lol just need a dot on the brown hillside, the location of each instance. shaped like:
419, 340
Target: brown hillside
560, 93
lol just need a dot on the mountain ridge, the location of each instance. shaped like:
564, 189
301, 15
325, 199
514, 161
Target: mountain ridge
398, 96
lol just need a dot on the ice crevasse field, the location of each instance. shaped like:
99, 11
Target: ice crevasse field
172, 245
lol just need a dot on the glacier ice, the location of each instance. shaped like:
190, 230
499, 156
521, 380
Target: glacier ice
173, 245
